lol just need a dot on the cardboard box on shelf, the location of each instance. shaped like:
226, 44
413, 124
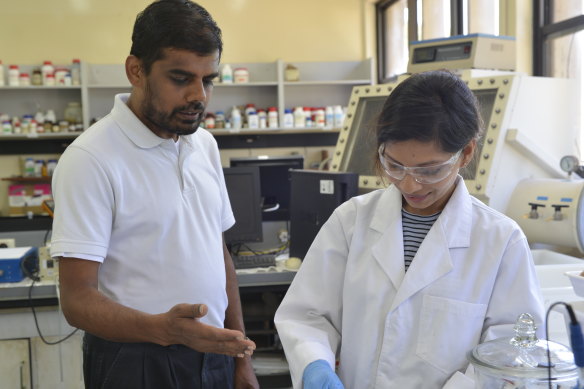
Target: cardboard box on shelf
24, 198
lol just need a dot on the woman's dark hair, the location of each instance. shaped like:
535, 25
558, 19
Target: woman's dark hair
435, 106
175, 24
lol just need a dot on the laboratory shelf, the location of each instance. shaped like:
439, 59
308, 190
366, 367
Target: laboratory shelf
39, 87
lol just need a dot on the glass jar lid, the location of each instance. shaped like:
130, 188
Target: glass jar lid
524, 355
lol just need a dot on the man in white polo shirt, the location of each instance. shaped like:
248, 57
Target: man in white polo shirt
140, 208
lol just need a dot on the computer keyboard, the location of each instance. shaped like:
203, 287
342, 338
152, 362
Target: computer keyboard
255, 260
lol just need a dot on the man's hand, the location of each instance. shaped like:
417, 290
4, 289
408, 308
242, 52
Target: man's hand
183, 327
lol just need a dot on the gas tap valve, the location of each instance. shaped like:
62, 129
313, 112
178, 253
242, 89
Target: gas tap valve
558, 211
533, 214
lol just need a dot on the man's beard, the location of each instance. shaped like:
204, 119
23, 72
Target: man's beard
163, 121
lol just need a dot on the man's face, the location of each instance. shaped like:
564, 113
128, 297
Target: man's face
176, 92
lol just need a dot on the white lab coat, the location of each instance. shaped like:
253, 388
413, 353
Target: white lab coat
353, 302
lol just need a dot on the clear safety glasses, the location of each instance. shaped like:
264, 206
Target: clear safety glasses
422, 174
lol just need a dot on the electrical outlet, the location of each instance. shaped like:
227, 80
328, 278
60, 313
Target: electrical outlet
7, 243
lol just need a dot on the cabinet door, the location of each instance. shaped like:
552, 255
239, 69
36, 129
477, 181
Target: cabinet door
14, 364
57, 366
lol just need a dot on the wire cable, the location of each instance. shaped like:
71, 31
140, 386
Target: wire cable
576, 342
36, 322
46, 236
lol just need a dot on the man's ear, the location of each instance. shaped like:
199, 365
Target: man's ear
134, 70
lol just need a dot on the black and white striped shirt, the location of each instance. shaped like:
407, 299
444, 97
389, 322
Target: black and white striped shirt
415, 229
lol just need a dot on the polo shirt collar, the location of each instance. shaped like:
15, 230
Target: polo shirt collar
133, 127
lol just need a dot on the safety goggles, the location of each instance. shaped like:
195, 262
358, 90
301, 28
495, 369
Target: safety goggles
430, 174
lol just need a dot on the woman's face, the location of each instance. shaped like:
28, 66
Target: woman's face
422, 198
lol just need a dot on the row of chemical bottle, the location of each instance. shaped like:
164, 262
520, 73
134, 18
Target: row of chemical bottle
300, 117
241, 75
47, 75
38, 167
43, 122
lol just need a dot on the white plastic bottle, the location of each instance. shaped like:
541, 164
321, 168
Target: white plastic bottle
273, 117
299, 118
329, 117
253, 121
288, 118
76, 72
13, 75
338, 116
235, 118
227, 74
47, 69
2, 80
263, 118
319, 119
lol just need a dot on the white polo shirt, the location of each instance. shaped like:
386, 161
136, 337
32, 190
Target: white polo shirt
154, 213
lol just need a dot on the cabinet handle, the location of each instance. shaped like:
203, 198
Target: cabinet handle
22, 385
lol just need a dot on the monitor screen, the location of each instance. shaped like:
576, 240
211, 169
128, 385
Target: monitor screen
361, 144
274, 182
315, 195
243, 187
356, 149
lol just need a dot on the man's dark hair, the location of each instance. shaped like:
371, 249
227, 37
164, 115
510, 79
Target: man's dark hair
177, 24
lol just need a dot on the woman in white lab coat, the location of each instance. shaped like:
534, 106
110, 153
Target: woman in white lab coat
401, 283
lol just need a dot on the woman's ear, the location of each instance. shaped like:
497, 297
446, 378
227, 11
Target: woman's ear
468, 152
134, 70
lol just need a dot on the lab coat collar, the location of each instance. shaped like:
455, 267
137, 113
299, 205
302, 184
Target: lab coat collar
388, 222
432, 261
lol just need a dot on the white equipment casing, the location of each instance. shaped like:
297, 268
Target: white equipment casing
530, 124
474, 51
561, 227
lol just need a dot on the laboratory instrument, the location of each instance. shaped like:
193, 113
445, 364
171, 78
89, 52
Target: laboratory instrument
550, 211
530, 123
474, 51
522, 361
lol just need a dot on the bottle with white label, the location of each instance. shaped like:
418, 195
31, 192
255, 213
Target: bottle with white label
47, 69
263, 118
235, 118
329, 117
76, 72
299, 118
288, 119
338, 116
227, 74
253, 121
319, 118
13, 76
273, 117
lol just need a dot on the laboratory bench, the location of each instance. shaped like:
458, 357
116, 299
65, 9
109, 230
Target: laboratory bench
261, 292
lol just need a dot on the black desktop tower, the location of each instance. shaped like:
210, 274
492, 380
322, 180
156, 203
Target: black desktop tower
314, 196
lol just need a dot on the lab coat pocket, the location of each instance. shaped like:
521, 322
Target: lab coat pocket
448, 330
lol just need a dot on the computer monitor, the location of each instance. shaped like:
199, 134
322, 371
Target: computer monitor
243, 187
274, 182
530, 123
315, 195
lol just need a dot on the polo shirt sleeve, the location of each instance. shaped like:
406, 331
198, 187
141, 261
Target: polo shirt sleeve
84, 205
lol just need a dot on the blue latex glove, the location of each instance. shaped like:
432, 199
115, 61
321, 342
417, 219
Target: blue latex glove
319, 375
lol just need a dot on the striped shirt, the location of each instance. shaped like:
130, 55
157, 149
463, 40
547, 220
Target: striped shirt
415, 229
